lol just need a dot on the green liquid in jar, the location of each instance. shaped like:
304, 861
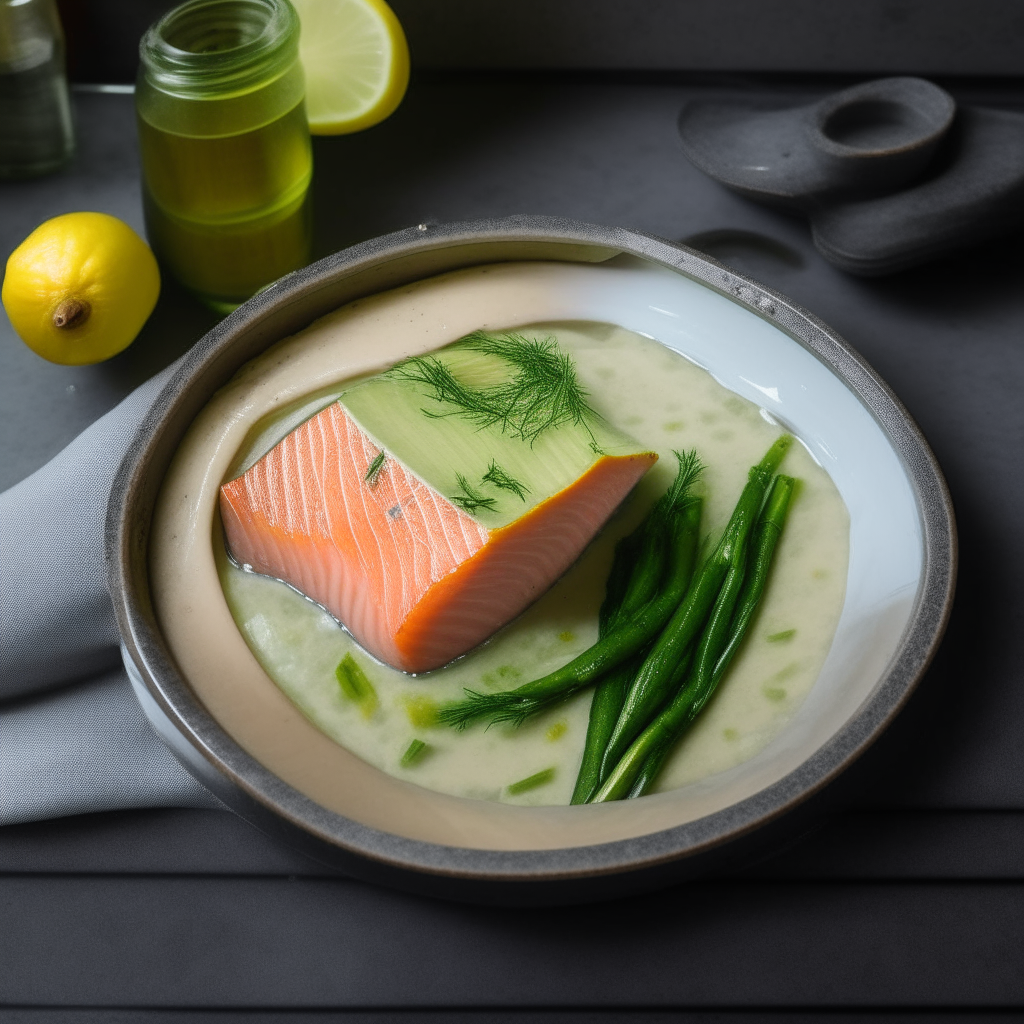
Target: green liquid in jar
226, 156
228, 213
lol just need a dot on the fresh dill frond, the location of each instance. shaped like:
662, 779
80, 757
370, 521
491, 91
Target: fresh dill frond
503, 481
678, 496
373, 470
505, 708
543, 391
444, 385
471, 500
474, 705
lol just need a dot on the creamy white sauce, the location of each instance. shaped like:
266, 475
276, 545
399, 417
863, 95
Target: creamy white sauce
363, 337
665, 402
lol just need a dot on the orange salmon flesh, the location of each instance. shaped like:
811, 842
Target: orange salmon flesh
413, 578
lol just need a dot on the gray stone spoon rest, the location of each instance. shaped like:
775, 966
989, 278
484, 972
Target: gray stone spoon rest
890, 174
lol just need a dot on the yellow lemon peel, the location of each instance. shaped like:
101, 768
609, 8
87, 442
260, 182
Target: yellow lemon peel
80, 287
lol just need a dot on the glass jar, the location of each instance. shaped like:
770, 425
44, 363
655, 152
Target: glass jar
226, 156
36, 136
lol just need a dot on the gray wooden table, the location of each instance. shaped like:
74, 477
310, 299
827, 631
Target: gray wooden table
908, 899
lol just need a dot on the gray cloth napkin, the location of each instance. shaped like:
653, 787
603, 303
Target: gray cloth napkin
72, 735
84, 748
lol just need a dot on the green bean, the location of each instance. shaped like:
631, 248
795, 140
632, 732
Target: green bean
610, 691
699, 690
619, 780
650, 770
633, 580
695, 693
654, 682
646, 554
609, 694
628, 638
766, 535
627, 563
624, 561
604, 713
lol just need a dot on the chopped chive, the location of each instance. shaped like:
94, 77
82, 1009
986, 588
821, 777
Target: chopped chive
778, 638
373, 470
356, 686
786, 672
413, 753
503, 675
557, 731
531, 782
421, 711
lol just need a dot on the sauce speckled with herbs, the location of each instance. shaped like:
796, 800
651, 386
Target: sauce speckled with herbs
664, 401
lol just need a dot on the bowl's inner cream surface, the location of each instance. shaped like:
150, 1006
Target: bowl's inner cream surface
666, 402
296, 726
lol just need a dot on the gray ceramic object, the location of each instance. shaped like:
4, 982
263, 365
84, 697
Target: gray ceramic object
890, 174
543, 876
868, 140
974, 193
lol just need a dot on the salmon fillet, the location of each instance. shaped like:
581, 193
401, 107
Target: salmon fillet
415, 579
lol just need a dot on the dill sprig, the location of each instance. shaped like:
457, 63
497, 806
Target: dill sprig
503, 481
545, 391
503, 708
446, 387
471, 500
373, 470
542, 393
678, 496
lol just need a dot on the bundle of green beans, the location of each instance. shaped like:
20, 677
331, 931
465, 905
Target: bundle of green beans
634, 579
666, 633
710, 598
634, 771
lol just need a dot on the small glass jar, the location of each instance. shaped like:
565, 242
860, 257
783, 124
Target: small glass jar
226, 155
36, 136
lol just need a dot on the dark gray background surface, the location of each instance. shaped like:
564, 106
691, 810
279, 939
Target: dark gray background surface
910, 895
926, 37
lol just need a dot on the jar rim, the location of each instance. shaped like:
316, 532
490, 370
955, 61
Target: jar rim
267, 45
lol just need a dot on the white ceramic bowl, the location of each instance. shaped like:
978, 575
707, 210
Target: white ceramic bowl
757, 344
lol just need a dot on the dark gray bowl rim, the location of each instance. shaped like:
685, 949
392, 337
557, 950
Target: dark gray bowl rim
253, 791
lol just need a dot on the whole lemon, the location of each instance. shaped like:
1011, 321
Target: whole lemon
80, 287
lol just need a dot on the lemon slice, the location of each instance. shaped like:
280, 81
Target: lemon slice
356, 62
